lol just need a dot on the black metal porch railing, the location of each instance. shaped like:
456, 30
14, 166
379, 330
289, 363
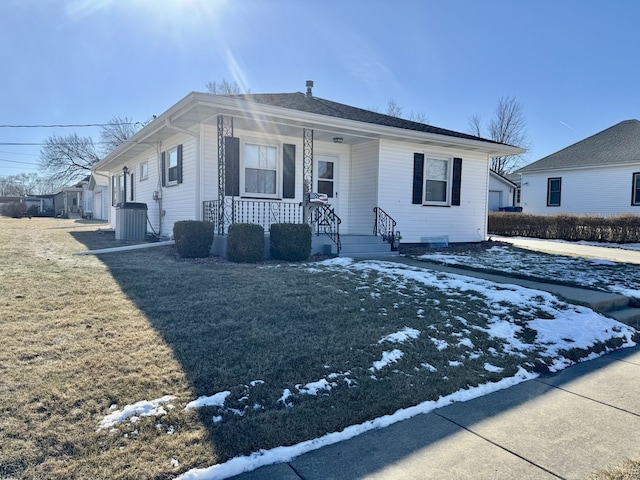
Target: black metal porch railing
324, 220
259, 212
385, 226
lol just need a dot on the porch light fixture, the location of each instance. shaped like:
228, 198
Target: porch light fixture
337, 139
125, 171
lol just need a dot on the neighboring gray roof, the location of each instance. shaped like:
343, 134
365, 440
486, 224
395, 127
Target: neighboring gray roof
302, 102
616, 145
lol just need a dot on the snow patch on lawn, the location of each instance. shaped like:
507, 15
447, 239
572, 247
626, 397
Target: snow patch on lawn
143, 408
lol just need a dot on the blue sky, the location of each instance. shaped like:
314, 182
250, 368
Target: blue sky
573, 65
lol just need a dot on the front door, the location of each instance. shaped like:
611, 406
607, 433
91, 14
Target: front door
326, 181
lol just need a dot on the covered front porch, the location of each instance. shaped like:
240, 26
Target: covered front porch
325, 224
313, 183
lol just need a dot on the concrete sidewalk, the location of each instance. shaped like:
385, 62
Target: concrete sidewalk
612, 304
573, 249
567, 426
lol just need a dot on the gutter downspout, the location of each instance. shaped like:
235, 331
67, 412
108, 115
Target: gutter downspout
196, 137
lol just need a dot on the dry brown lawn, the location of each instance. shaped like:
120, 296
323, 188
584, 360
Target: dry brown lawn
79, 334
72, 345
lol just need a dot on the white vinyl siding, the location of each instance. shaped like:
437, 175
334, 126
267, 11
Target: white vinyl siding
602, 191
178, 201
464, 223
364, 187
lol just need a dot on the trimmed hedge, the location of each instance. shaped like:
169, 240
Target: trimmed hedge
245, 243
290, 241
193, 238
593, 228
14, 209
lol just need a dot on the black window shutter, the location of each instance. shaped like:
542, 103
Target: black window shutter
288, 171
180, 163
456, 181
232, 166
164, 170
418, 177
132, 183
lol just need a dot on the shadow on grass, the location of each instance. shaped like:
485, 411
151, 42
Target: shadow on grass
227, 328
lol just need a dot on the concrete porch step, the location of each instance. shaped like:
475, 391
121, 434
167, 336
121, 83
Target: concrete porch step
365, 246
628, 315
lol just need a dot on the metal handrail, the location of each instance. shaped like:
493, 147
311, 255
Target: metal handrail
384, 225
328, 222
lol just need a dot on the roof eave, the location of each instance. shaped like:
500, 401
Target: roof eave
233, 105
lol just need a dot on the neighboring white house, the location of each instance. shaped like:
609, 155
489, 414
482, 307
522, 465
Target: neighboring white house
501, 192
99, 186
598, 175
259, 158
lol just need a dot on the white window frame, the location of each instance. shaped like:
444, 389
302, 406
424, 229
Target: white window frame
635, 188
261, 142
448, 182
168, 166
144, 171
550, 192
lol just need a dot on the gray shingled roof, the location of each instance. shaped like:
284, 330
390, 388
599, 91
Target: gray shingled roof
616, 145
301, 102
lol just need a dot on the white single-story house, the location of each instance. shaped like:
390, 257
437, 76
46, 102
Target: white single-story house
502, 192
268, 158
598, 175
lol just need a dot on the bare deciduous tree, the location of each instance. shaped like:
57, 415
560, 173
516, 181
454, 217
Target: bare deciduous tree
24, 184
224, 88
508, 125
68, 159
116, 132
394, 109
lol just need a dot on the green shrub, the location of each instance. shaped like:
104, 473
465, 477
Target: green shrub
290, 241
193, 238
14, 209
245, 243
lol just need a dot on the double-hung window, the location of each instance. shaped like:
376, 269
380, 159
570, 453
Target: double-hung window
436, 181
554, 189
635, 192
144, 171
260, 170
172, 166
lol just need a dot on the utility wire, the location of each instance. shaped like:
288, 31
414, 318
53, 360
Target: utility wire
70, 125
17, 161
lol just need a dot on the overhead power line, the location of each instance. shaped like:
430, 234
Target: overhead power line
17, 161
70, 125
